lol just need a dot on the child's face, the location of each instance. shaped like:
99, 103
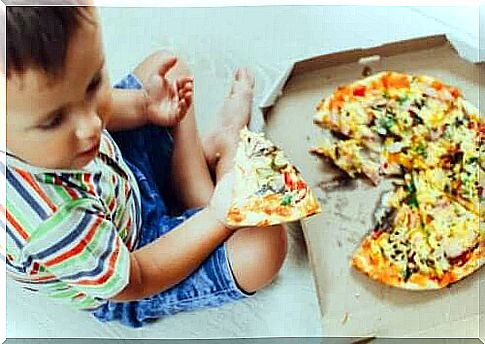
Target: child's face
57, 123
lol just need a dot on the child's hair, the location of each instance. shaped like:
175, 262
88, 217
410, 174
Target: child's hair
38, 37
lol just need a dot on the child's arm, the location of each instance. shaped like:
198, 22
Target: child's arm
174, 256
159, 102
129, 106
171, 258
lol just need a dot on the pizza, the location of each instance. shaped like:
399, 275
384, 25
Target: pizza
268, 189
428, 231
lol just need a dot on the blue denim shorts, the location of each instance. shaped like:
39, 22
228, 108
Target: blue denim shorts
148, 151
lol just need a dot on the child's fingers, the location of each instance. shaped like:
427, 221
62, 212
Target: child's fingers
186, 101
185, 80
188, 98
182, 82
184, 91
188, 87
181, 92
183, 108
188, 95
167, 65
175, 96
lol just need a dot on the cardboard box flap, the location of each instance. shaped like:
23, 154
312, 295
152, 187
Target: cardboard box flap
275, 91
463, 47
468, 48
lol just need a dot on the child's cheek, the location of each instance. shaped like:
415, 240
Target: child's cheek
105, 106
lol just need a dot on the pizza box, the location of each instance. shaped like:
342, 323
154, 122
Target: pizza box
351, 304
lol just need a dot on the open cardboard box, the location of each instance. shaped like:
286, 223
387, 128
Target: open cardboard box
352, 304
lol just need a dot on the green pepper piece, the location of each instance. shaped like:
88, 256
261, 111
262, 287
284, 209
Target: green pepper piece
286, 200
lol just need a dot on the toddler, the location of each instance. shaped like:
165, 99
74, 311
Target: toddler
96, 175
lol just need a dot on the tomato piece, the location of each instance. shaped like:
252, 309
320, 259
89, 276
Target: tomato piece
437, 85
394, 80
385, 81
289, 180
359, 91
300, 185
454, 92
400, 81
377, 233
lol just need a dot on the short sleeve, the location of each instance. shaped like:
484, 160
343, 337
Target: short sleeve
82, 248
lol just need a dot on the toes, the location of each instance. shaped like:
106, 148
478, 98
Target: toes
243, 82
183, 82
237, 76
244, 75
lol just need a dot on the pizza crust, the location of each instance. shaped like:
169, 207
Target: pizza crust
378, 268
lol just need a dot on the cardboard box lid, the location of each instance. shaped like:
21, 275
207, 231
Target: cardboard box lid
466, 47
352, 304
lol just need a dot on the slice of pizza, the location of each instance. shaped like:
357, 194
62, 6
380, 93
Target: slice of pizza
388, 103
465, 156
352, 157
423, 238
268, 189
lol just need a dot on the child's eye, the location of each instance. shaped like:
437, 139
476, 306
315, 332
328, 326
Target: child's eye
94, 84
54, 121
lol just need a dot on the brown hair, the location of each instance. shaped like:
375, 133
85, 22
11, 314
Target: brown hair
38, 37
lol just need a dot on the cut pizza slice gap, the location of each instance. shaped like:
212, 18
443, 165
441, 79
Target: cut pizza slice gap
268, 189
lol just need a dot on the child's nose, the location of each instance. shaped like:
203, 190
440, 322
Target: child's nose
88, 126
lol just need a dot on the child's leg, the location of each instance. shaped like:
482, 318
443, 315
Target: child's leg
220, 145
147, 150
255, 254
190, 177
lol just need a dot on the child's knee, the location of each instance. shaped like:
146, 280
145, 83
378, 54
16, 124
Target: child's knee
256, 256
152, 63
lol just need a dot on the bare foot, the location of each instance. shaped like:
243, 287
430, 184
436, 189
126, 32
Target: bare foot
221, 143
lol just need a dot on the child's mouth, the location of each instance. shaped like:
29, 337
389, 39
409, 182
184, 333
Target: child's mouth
91, 151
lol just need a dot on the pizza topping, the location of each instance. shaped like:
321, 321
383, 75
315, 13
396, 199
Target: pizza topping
461, 259
286, 200
385, 124
290, 180
279, 161
359, 91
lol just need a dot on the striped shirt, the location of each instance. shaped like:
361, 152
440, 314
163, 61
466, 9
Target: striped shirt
69, 232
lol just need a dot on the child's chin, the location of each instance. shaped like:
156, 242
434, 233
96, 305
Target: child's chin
84, 160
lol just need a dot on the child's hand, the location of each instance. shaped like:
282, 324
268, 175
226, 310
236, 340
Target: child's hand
222, 197
167, 104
